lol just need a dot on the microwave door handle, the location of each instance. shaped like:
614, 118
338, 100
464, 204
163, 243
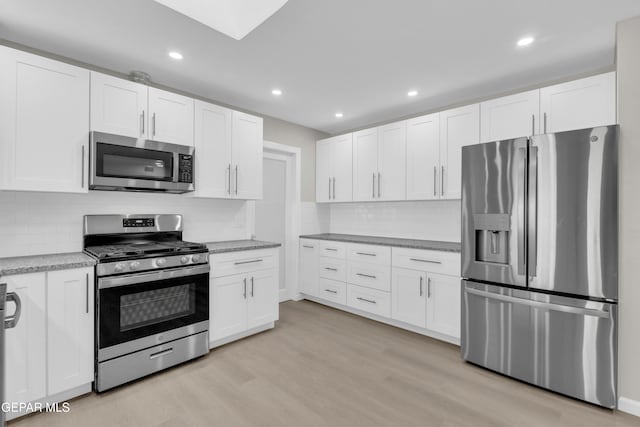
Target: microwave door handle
176, 167
532, 211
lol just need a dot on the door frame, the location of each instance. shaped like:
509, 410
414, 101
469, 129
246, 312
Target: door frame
292, 158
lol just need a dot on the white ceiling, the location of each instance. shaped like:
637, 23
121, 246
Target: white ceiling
359, 57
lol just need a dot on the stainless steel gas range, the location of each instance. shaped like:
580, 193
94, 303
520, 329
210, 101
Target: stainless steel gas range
152, 295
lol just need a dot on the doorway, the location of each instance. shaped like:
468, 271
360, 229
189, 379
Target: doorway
276, 215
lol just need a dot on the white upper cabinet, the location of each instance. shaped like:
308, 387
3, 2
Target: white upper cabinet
334, 169
423, 157
118, 106
246, 156
213, 150
458, 127
579, 104
510, 117
365, 164
170, 117
392, 161
44, 124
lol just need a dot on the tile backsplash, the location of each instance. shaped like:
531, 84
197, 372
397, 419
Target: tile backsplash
38, 223
429, 220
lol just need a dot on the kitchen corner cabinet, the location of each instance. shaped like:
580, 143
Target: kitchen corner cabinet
170, 117
118, 106
423, 158
334, 169
44, 124
458, 127
243, 294
308, 272
579, 104
510, 117
50, 351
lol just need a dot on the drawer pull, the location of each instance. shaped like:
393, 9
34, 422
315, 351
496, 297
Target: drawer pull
307, 246
331, 269
331, 249
248, 262
161, 353
366, 275
370, 301
425, 260
365, 253
331, 291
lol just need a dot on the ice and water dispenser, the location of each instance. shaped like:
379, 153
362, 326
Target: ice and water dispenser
492, 238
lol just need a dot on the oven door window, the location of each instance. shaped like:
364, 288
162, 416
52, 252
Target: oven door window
135, 311
117, 161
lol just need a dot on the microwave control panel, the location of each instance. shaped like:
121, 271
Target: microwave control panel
185, 168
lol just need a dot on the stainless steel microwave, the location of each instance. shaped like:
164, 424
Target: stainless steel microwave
122, 163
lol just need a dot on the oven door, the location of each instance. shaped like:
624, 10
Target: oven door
125, 163
137, 311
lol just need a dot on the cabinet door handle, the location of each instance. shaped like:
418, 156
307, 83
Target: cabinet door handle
334, 188
229, 175
236, 180
544, 116
251, 286
425, 260
331, 249
307, 246
365, 253
373, 186
153, 125
331, 269
248, 262
429, 287
366, 275
421, 280
533, 124
379, 182
329, 188
142, 123
442, 183
82, 169
331, 291
435, 181
87, 292
370, 301
244, 292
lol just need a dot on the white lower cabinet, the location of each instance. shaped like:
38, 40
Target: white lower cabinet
369, 300
332, 290
50, 351
308, 272
443, 304
242, 301
408, 295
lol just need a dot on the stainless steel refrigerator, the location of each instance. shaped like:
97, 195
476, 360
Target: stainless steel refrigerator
540, 260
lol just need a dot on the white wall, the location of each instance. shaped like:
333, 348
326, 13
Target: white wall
37, 223
314, 218
429, 220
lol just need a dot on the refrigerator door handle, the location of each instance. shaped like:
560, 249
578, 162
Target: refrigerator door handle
539, 304
532, 212
521, 211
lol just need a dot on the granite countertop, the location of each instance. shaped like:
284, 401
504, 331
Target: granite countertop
239, 245
36, 263
388, 241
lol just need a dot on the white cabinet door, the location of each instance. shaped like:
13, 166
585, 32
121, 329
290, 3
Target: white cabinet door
262, 298
365, 164
308, 273
423, 157
458, 127
212, 138
118, 106
44, 124
579, 104
443, 304
408, 296
25, 345
171, 117
323, 170
510, 117
70, 331
342, 168
246, 156
227, 306
392, 162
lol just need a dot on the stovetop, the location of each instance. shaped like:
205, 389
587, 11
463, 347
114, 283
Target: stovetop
144, 249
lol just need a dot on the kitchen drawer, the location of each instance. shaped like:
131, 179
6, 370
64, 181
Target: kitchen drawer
333, 249
334, 269
370, 300
309, 244
370, 275
332, 290
230, 263
433, 261
369, 253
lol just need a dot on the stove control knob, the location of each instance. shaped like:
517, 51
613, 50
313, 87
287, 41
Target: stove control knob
184, 259
161, 261
134, 265
195, 258
119, 267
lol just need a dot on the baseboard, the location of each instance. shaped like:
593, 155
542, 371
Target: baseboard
297, 297
629, 406
239, 336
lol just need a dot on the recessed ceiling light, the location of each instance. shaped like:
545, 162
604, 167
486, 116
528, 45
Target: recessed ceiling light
175, 55
339, 115
276, 92
412, 93
525, 41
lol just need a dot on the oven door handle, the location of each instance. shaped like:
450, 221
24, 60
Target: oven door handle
132, 279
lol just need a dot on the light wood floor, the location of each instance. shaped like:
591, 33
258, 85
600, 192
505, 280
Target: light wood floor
324, 367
